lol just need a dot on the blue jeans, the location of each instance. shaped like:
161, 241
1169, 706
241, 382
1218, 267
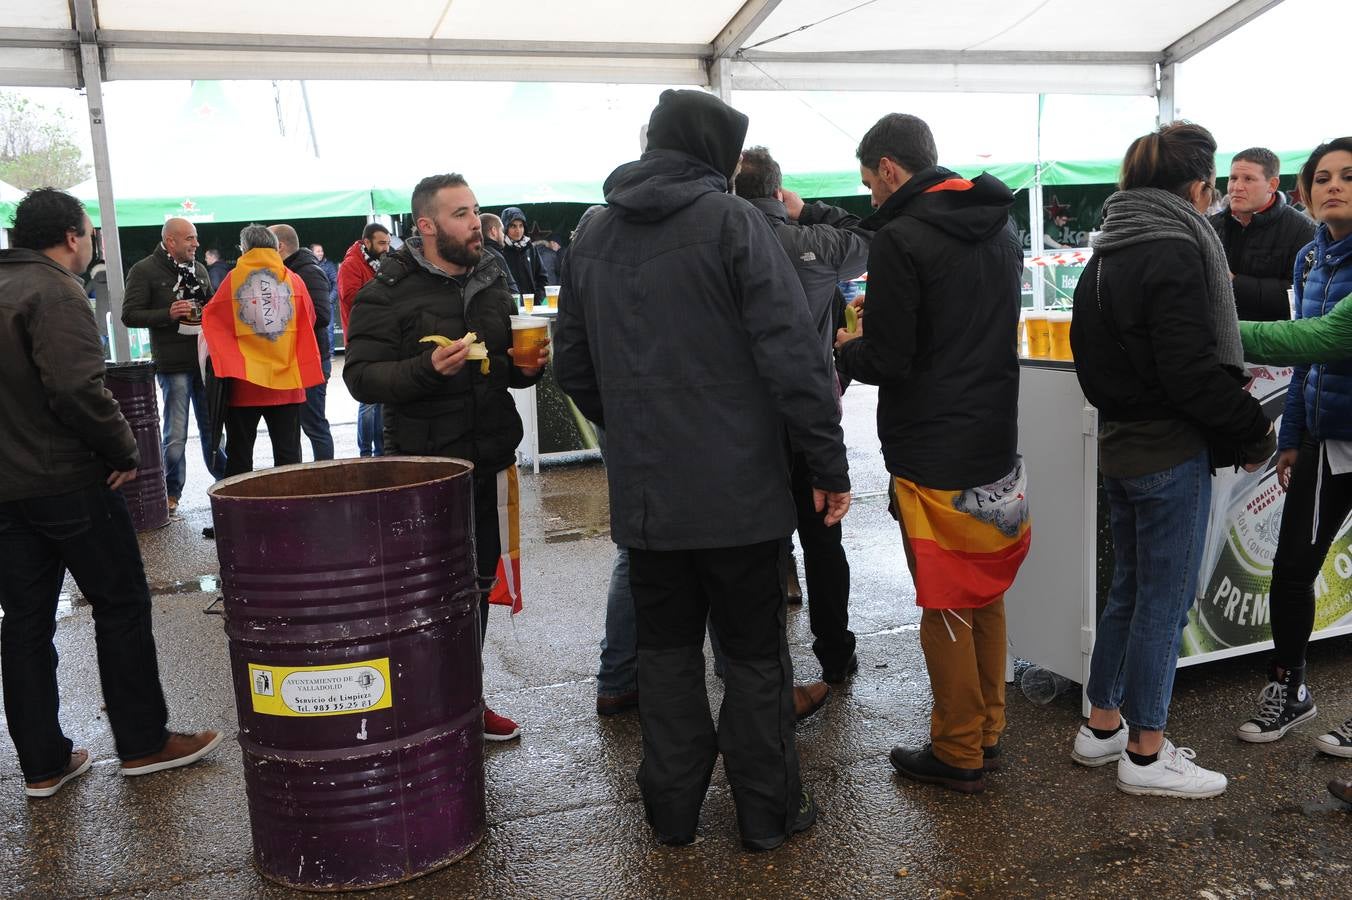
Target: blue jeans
370, 430
312, 420
619, 646
177, 390
1159, 527
88, 532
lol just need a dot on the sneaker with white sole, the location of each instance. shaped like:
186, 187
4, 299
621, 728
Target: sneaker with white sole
1096, 751
499, 728
1172, 774
1337, 742
1283, 703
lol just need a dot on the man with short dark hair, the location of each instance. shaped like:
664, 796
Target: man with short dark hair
695, 387
1262, 234
442, 283
165, 293
522, 259
67, 450
360, 265
217, 268
313, 421
492, 229
942, 308
824, 250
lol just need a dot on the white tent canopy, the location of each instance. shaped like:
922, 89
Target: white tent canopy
1047, 46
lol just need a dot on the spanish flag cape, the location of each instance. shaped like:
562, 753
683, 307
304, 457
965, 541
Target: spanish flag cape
967, 545
259, 326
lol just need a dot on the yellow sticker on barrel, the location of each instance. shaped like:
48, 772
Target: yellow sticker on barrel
320, 690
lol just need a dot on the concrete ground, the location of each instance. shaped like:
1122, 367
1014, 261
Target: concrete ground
564, 815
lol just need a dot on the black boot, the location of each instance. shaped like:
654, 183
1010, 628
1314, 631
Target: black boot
1283, 703
923, 765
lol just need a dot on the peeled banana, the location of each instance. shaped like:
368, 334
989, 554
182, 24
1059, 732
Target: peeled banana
851, 319
477, 348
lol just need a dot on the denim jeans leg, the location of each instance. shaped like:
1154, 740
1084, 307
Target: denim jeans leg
175, 388
215, 464
370, 442
312, 418
1170, 511
618, 673
1106, 679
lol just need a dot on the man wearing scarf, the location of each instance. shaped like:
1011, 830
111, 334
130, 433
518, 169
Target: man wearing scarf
523, 260
165, 293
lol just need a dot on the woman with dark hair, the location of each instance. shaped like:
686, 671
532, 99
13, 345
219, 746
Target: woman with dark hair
1315, 463
1157, 351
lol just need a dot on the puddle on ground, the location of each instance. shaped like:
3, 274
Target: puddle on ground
202, 584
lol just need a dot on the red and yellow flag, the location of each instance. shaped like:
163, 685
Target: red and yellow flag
967, 545
259, 327
507, 587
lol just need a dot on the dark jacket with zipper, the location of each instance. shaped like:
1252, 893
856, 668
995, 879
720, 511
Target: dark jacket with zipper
467, 415
146, 302
939, 330
1262, 255
1319, 401
685, 332
63, 430
1145, 351
527, 272
311, 271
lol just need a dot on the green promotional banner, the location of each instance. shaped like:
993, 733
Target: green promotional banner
237, 208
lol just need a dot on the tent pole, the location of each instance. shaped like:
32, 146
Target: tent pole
92, 79
1035, 245
720, 79
1166, 93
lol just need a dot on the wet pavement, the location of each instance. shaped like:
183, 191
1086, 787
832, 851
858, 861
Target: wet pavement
564, 815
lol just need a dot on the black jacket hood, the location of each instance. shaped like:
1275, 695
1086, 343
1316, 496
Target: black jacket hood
660, 183
701, 125
975, 210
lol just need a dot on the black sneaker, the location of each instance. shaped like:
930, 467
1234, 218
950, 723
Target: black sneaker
842, 674
1284, 703
923, 765
990, 758
1337, 742
807, 815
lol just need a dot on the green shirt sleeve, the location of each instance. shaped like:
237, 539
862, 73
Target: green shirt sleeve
1326, 338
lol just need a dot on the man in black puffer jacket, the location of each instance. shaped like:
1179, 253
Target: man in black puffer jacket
442, 283
1262, 234
685, 333
307, 267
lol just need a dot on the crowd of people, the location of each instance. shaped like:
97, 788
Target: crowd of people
699, 247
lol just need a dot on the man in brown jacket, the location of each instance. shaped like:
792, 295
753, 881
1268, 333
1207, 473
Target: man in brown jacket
67, 449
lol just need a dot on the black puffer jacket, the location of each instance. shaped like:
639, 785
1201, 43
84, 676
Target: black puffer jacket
1262, 255
1145, 350
467, 415
941, 318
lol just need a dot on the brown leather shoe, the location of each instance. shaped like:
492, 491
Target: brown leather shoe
179, 750
808, 698
616, 703
1342, 789
79, 763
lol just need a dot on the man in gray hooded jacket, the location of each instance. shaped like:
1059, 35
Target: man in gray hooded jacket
685, 333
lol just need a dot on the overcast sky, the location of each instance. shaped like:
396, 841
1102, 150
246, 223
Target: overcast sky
1254, 87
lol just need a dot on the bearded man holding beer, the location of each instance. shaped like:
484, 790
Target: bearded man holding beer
441, 284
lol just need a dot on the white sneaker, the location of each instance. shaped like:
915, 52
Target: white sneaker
1173, 774
1094, 751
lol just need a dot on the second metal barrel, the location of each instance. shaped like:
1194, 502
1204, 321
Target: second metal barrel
352, 614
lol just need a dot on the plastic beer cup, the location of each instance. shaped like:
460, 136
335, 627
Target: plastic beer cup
552, 295
529, 334
528, 302
1039, 335
1058, 329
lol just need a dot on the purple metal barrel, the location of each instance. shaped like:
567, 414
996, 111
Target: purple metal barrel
133, 386
352, 613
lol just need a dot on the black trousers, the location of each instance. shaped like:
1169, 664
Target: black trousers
241, 430
1298, 559
828, 575
487, 539
739, 592
89, 532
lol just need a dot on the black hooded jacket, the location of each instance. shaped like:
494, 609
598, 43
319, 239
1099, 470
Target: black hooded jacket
1262, 256
939, 331
307, 266
684, 331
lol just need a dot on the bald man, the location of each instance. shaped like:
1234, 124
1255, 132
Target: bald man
165, 293
307, 268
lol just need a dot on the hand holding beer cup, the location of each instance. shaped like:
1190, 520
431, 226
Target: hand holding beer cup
530, 343
180, 309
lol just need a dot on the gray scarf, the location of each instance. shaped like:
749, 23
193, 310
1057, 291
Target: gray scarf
1150, 214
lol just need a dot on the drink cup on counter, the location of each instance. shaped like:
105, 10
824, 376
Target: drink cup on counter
1058, 331
528, 302
1038, 333
529, 334
552, 296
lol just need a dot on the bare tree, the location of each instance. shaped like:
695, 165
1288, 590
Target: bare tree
37, 145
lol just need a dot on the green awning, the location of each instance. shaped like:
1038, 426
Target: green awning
237, 208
